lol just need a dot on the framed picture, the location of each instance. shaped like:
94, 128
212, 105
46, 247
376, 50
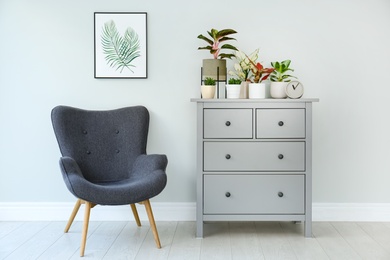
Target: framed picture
121, 45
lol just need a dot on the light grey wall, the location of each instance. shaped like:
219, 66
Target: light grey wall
340, 51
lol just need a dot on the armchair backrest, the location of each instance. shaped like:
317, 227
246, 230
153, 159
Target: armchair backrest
103, 143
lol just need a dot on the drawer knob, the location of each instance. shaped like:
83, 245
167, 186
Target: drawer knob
227, 123
280, 156
227, 194
228, 156
280, 123
280, 194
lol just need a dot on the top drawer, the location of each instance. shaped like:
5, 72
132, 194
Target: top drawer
280, 123
227, 123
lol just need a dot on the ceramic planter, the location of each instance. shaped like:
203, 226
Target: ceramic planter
210, 69
278, 89
257, 90
233, 90
244, 91
207, 91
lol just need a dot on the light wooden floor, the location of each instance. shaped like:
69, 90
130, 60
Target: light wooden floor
223, 240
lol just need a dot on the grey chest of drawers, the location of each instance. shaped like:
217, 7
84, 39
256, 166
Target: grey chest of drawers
254, 160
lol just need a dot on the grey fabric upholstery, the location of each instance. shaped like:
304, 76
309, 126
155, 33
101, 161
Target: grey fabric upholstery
104, 158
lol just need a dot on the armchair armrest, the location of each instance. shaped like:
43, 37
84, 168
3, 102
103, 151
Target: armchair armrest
148, 163
71, 174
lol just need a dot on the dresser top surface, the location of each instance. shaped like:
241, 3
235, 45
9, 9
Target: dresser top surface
263, 100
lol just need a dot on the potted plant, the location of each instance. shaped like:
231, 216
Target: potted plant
242, 70
257, 88
233, 88
279, 78
216, 68
208, 88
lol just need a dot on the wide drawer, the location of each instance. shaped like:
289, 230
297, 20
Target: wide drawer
227, 123
254, 194
280, 123
254, 156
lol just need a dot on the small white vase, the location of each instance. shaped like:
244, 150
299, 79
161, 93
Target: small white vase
256, 90
233, 90
278, 89
207, 91
244, 89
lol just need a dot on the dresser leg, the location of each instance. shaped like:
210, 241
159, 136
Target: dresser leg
308, 233
199, 229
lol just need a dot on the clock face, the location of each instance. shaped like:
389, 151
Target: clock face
294, 89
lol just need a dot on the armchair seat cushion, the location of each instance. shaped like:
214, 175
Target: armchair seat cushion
129, 191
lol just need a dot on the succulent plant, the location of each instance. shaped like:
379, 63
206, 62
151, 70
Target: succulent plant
209, 82
234, 81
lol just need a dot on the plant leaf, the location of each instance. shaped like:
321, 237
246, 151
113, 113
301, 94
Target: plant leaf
205, 48
119, 51
226, 39
225, 55
228, 46
200, 36
225, 32
286, 63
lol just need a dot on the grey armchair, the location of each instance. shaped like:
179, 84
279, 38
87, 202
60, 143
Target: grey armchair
104, 160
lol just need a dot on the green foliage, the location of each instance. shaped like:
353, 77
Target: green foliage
119, 51
233, 81
281, 68
216, 38
209, 81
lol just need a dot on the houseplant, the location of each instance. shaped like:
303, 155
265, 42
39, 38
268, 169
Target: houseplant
280, 78
259, 74
242, 69
233, 88
208, 88
216, 68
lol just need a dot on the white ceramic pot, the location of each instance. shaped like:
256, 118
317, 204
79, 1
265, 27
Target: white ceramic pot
256, 90
278, 89
233, 90
207, 91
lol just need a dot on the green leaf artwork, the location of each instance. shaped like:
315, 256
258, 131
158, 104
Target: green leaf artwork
120, 51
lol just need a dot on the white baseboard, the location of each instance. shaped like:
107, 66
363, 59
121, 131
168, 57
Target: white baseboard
351, 212
61, 211
162, 211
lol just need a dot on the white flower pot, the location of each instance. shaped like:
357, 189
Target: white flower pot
233, 90
207, 91
256, 90
278, 89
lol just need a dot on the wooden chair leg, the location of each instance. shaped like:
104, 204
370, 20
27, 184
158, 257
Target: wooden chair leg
73, 215
135, 213
88, 206
152, 223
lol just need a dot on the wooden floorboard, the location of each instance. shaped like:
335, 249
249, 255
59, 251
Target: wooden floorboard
361, 242
274, 241
184, 242
304, 248
223, 240
128, 242
245, 243
334, 245
69, 243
